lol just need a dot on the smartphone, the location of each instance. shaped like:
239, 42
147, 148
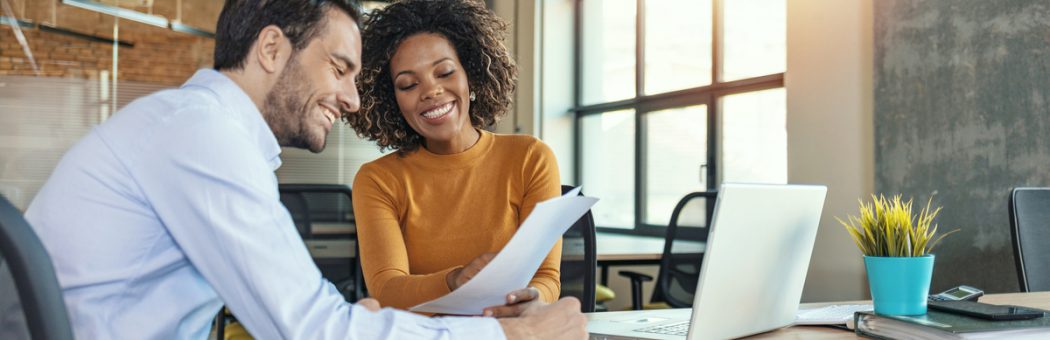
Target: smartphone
986, 311
958, 293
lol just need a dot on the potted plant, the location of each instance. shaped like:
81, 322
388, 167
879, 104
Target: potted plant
896, 244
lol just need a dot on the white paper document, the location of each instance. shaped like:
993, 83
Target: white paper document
515, 265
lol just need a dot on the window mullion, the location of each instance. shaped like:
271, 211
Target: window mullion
713, 145
577, 89
639, 122
639, 166
639, 49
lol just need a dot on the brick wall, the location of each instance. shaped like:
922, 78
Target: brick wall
159, 55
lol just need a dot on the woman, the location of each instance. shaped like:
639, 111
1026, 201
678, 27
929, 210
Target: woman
431, 215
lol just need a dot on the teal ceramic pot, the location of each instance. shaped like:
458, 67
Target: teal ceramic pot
899, 285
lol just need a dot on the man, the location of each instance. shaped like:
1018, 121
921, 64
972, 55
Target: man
170, 209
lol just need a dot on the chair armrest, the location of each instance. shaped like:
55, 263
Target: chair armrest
636, 287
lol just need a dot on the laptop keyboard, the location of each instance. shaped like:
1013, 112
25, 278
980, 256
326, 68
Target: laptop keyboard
681, 328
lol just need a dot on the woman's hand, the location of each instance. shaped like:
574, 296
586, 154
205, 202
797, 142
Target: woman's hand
372, 305
518, 302
458, 277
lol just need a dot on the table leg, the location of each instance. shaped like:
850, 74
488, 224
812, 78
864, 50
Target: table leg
605, 275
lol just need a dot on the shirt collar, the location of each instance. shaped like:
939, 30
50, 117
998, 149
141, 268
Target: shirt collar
236, 100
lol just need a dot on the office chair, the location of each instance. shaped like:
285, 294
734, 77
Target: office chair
1030, 229
324, 216
680, 264
35, 293
579, 259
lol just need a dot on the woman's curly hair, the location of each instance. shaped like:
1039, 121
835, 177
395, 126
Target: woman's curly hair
475, 33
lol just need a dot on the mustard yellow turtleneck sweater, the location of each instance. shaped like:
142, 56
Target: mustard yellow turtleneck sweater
423, 215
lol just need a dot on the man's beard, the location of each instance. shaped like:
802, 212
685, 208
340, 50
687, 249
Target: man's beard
286, 112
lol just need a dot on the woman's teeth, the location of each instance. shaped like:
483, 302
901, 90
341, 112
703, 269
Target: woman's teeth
439, 111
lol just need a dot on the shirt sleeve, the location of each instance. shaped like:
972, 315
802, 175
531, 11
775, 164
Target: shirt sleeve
543, 182
217, 196
384, 256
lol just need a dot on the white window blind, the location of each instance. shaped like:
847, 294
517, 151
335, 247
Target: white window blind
42, 117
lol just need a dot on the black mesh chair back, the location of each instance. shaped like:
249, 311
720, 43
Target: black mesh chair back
318, 208
295, 202
324, 217
31, 304
578, 260
684, 247
1030, 228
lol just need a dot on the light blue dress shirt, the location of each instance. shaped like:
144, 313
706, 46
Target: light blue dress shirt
170, 209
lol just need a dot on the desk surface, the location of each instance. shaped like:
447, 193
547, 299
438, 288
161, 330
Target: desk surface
1036, 300
333, 228
620, 247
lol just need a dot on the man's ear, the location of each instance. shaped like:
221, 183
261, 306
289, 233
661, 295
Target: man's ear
272, 49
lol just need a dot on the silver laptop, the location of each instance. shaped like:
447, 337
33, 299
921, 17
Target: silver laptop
752, 273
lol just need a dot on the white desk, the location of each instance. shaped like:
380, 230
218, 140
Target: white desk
1036, 300
333, 228
626, 250
614, 248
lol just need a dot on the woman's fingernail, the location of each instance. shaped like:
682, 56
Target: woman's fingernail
512, 298
488, 313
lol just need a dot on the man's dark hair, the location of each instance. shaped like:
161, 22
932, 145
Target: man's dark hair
241, 21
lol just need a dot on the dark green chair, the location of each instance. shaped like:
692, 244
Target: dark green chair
30, 298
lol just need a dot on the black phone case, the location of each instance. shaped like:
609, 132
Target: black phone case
970, 308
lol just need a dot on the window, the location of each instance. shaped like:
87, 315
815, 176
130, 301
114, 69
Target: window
676, 96
609, 49
608, 159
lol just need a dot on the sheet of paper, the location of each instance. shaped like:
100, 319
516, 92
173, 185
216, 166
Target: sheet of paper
517, 262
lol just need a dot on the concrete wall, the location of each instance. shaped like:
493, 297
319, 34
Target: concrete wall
829, 99
961, 115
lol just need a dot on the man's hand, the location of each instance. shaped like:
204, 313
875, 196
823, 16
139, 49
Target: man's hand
559, 320
458, 277
518, 302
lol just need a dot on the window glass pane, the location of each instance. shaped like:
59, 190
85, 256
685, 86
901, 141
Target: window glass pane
677, 45
755, 34
754, 137
675, 150
608, 50
695, 213
608, 166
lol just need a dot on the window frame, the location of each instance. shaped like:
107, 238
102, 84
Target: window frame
642, 104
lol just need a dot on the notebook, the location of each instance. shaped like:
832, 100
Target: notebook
833, 315
941, 325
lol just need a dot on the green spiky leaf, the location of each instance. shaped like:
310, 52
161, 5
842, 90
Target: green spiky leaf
887, 227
